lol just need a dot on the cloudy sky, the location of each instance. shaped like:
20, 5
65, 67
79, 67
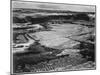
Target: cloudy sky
52, 6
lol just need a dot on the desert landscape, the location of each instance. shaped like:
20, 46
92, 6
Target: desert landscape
46, 40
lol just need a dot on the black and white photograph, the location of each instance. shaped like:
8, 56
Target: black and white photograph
52, 37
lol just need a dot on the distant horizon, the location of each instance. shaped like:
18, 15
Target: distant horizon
61, 11
52, 6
